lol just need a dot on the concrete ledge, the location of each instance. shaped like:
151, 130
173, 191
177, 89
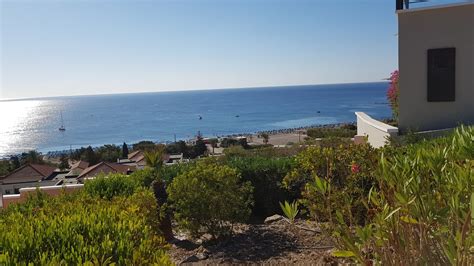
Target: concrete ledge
376, 132
49, 190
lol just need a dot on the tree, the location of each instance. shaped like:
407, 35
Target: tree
213, 143
15, 162
90, 156
124, 151
265, 137
32, 157
178, 147
199, 148
63, 162
108, 153
154, 159
144, 145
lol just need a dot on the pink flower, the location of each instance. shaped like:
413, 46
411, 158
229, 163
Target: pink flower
355, 168
393, 92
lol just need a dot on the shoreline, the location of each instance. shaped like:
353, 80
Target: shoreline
254, 135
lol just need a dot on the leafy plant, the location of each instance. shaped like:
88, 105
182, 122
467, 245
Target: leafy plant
266, 176
290, 210
112, 185
210, 198
334, 178
421, 206
80, 229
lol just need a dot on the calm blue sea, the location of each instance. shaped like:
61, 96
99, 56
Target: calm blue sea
113, 119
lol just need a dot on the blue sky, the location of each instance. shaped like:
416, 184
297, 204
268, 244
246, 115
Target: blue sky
69, 47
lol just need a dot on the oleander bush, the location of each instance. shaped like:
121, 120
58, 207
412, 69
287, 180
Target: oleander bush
266, 176
334, 178
210, 198
82, 229
422, 205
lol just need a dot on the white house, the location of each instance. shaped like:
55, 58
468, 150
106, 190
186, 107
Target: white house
436, 71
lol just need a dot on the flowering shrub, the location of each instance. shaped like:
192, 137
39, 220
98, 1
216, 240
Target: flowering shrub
334, 178
393, 93
422, 206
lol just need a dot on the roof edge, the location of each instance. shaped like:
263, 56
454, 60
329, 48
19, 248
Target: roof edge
427, 8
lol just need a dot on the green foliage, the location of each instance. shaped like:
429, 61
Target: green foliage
32, 157
144, 145
229, 142
333, 179
179, 147
124, 150
199, 148
340, 132
109, 153
210, 198
167, 173
290, 210
63, 162
266, 176
89, 155
107, 187
5, 167
79, 229
420, 206
154, 158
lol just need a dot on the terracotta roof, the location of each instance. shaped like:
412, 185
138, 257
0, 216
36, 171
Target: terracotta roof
117, 168
133, 154
80, 165
42, 169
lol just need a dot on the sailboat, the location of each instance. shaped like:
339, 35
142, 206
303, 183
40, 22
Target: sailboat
62, 128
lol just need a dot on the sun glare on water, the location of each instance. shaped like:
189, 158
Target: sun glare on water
16, 117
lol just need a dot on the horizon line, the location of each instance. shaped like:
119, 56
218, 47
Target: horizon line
182, 90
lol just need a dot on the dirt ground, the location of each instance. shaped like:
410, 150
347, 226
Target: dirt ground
278, 242
280, 138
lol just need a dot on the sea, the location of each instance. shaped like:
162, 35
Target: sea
33, 124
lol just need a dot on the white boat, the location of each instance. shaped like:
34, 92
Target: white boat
62, 128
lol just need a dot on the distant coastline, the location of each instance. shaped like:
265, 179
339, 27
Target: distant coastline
162, 117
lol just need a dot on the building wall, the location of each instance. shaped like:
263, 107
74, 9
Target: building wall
420, 30
376, 132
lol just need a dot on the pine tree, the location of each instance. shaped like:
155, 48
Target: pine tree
124, 151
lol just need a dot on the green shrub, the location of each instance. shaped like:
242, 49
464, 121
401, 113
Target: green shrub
112, 185
333, 179
341, 132
77, 229
166, 173
266, 176
210, 198
421, 206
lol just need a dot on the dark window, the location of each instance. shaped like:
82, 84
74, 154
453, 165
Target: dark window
441, 74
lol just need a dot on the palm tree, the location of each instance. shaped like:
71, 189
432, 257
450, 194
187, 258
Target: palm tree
154, 158
265, 138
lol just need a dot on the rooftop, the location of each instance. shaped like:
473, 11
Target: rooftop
435, 7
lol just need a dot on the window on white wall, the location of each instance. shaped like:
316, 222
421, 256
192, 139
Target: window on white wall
441, 74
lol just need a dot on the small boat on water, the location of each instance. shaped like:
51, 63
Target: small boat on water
200, 117
62, 127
